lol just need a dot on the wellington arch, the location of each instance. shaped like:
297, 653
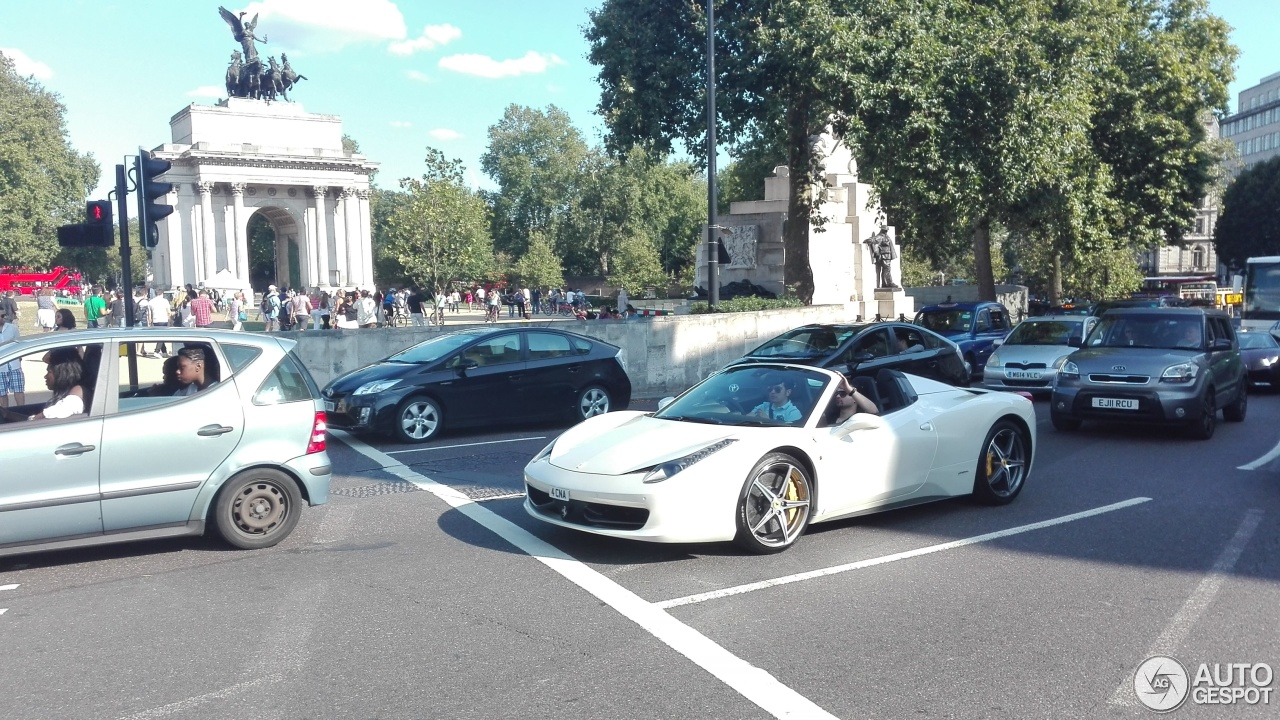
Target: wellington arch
242, 159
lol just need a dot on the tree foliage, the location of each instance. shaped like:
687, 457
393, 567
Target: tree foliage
540, 266
637, 266
1249, 221
440, 232
43, 180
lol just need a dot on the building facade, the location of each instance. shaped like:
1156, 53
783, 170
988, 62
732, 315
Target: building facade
245, 158
1255, 127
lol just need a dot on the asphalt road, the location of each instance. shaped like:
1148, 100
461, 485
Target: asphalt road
423, 590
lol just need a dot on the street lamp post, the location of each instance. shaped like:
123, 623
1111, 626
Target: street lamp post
713, 249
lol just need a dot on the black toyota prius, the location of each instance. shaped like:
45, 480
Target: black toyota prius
478, 376
866, 349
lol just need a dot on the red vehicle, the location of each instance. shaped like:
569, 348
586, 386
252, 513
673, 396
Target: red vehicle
27, 281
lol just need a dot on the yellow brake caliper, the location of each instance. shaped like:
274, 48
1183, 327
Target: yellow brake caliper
792, 494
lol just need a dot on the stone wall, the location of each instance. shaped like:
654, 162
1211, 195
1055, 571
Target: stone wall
662, 355
1013, 297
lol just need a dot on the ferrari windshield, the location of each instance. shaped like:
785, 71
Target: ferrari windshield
751, 395
1044, 332
946, 321
1166, 332
805, 342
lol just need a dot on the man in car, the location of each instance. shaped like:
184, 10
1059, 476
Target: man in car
779, 406
1191, 338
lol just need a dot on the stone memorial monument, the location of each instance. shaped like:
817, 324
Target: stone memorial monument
248, 157
853, 254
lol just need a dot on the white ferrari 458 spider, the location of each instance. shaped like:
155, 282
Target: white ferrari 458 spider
752, 454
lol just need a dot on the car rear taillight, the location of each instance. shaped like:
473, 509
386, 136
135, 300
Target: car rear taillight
318, 430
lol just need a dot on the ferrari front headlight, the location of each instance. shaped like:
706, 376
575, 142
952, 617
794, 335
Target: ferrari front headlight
670, 468
545, 452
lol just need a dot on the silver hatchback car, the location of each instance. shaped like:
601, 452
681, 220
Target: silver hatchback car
154, 432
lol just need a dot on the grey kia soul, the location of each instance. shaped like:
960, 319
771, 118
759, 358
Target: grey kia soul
1168, 366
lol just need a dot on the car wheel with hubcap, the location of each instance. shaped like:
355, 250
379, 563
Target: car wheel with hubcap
1236, 411
418, 419
1203, 427
775, 504
1002, 465
257, 509
593, 401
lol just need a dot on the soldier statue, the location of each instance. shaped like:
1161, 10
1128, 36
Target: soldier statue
883, 254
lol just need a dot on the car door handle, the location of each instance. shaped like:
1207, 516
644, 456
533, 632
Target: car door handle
926, 426
74, 449
213, 430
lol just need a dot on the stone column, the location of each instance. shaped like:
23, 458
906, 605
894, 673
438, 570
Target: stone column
319, 199
238, 237
175, 240
365, 237
349, 257
208, 237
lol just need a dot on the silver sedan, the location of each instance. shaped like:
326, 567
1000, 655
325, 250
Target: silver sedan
1028, 360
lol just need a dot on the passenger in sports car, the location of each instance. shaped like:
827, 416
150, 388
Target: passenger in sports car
846, 403
779, 406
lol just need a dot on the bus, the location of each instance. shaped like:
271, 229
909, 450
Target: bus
1261, 310
1200, 288
26, 281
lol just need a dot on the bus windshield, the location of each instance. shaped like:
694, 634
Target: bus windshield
1261, 290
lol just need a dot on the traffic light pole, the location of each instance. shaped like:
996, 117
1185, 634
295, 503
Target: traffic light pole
126, 266
122, 220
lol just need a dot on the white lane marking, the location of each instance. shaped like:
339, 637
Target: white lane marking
1180, 625
448, 447
500, 497
191, 702
798, 577
751, 682
1275, 453
8, 587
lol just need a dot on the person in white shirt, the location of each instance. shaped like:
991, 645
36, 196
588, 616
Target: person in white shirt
366, 310
63, 379
12, 381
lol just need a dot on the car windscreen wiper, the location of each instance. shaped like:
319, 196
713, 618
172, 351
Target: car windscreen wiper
689, 418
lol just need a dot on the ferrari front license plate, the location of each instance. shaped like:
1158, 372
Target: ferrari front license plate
1115, 403
559, 494
1022, 374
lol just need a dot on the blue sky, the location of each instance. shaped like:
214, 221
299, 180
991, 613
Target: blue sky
403, 75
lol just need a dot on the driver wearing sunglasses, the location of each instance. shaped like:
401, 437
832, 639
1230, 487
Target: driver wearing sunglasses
849, 401
779, 407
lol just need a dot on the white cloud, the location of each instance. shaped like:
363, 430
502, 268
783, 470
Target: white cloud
445, 134
325, 25
25, 65
432, 37
486, 67
208, 91
417, 75
401, 124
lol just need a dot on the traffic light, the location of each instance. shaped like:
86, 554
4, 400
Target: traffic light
150, 190
96, 231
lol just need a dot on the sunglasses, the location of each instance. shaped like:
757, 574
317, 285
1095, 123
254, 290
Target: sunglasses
844, 393
777, 388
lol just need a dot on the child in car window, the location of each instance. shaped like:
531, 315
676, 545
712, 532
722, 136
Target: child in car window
191, 372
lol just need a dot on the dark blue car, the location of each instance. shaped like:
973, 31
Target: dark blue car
974, 326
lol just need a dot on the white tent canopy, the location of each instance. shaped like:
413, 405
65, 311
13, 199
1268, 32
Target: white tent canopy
224, 280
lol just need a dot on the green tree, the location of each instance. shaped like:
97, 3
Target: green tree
440, 234
383, 205
540, 266
536, 158
784, 72
1249, 222
637, 266
43, 180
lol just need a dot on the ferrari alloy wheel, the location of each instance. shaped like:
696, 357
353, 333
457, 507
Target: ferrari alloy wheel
775, 504
418, 420
1003, 464
593, 401
257, 509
